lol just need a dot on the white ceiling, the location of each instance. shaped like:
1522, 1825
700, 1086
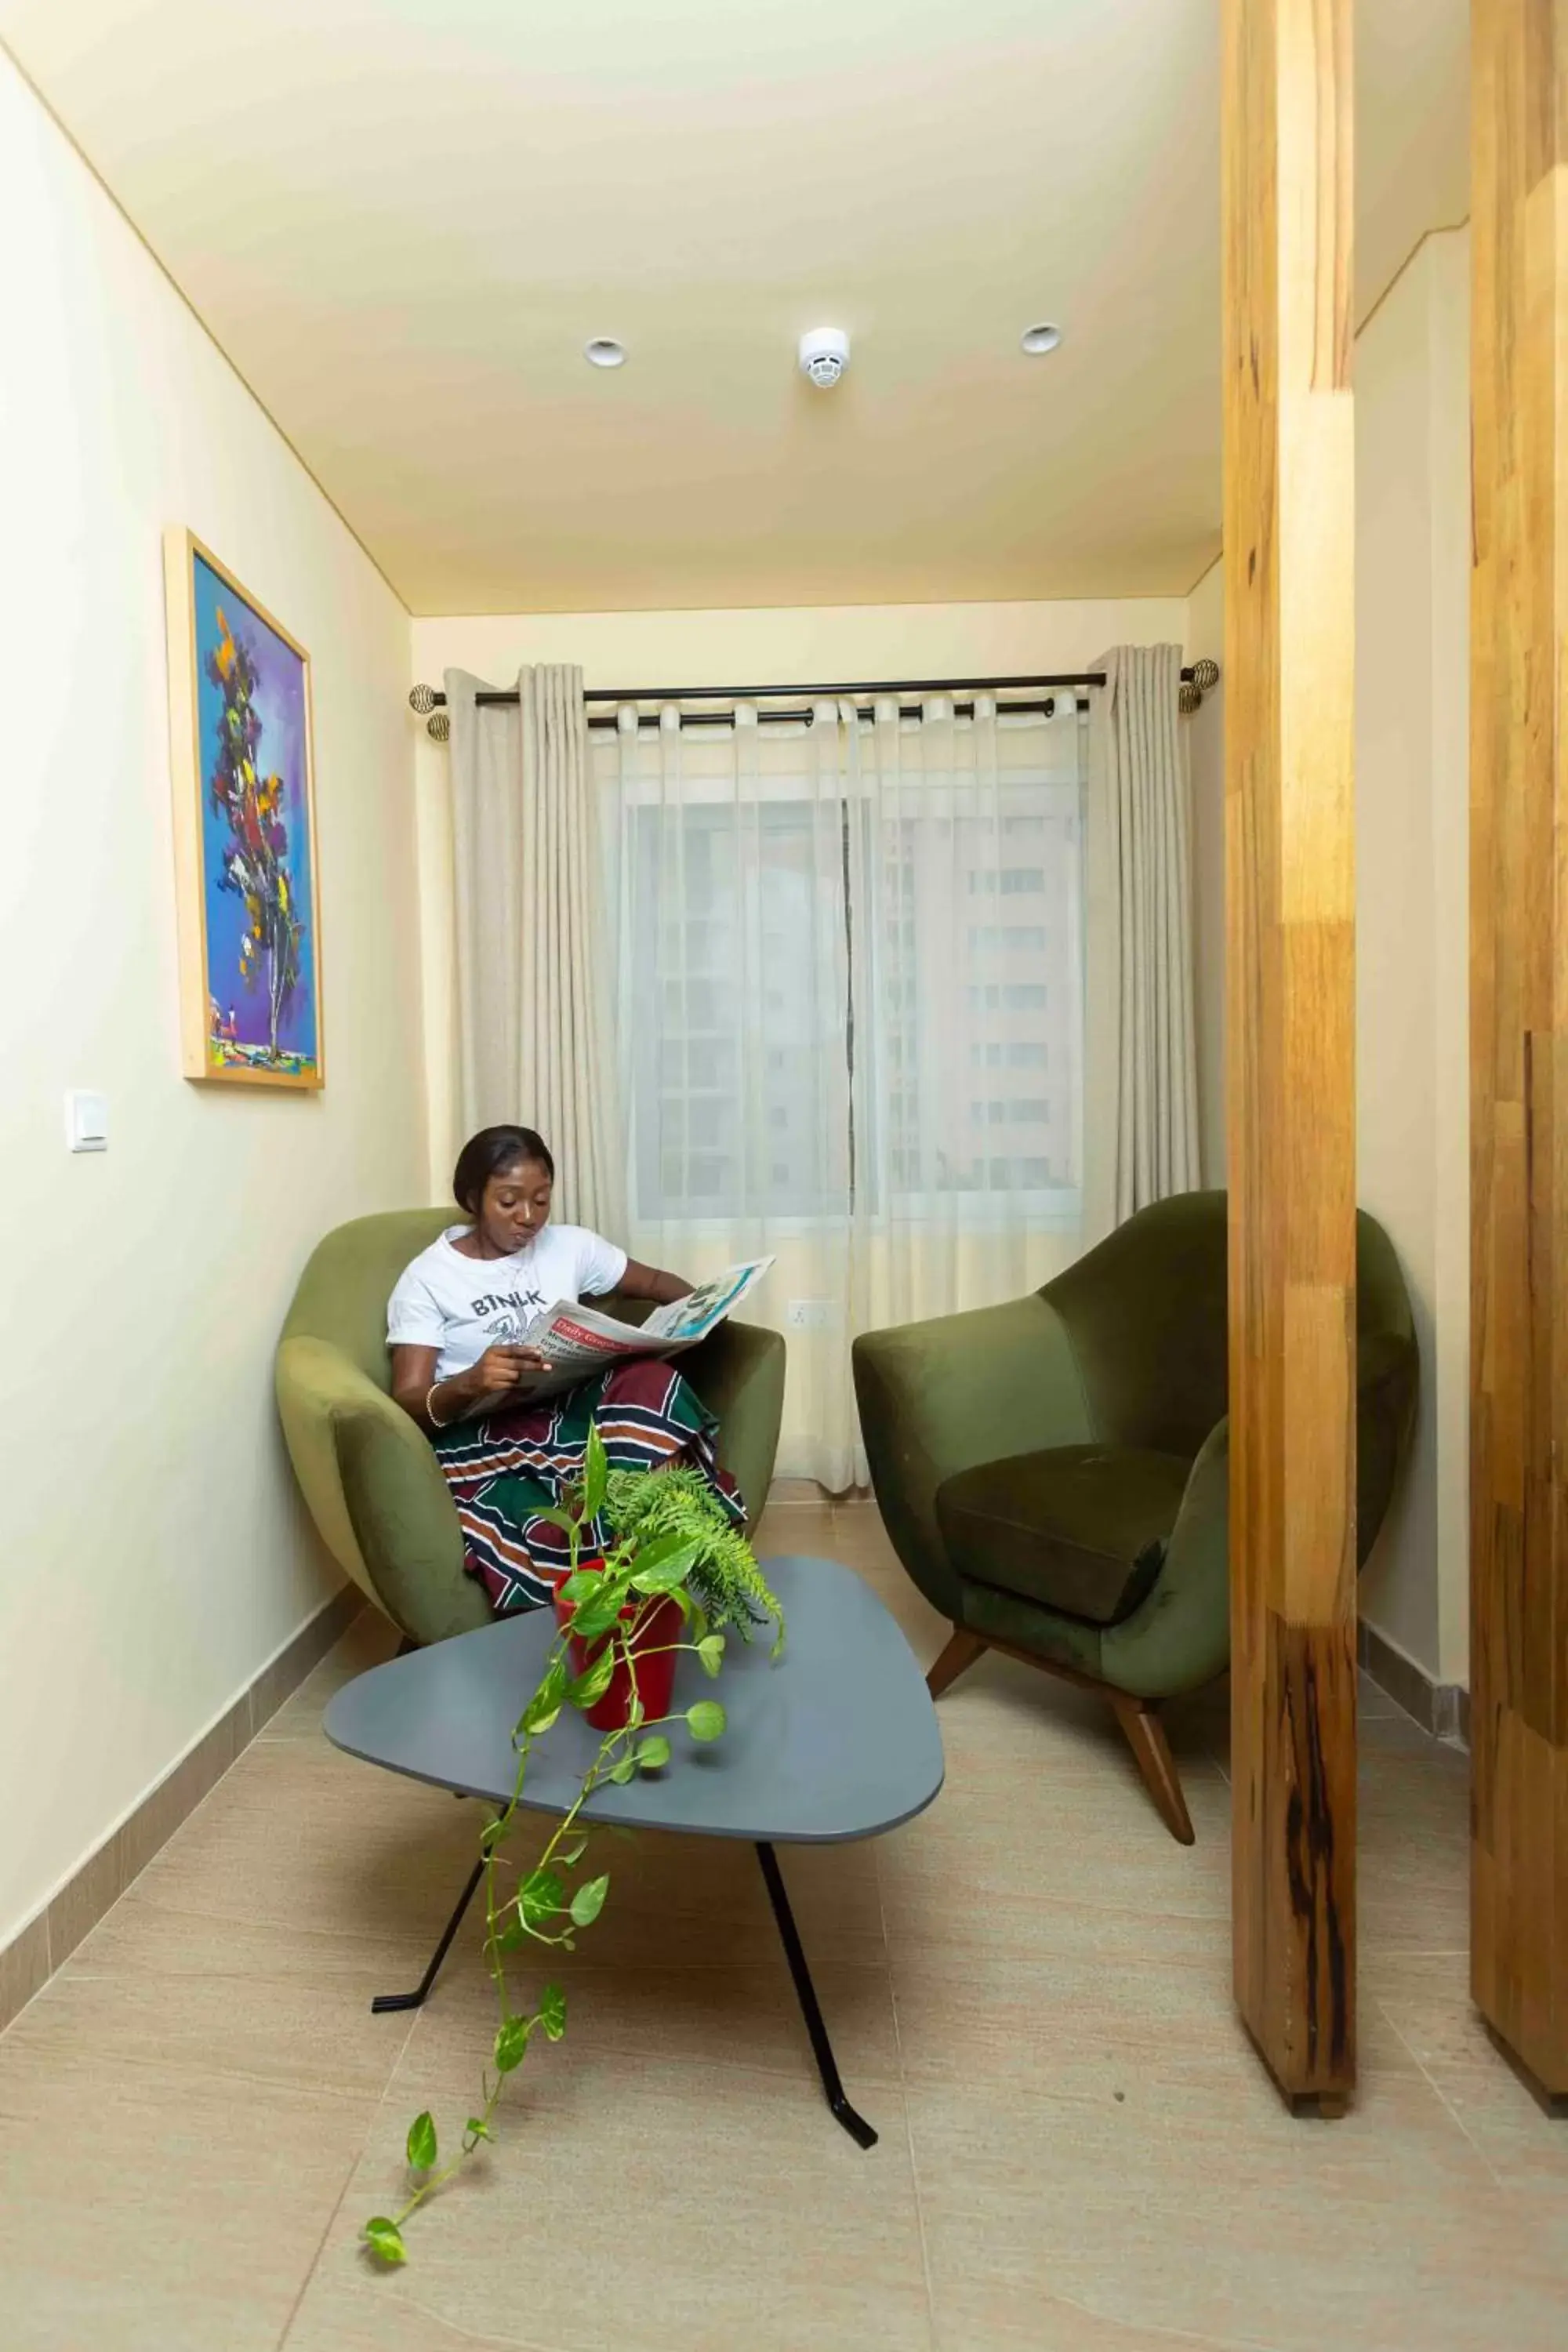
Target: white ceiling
402, 219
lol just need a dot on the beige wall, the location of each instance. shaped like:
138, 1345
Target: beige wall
152, 1553
1412, 820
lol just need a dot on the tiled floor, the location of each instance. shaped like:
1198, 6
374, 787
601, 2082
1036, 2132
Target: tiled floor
1028, 1990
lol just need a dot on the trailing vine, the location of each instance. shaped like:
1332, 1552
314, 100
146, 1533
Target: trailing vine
666, 1549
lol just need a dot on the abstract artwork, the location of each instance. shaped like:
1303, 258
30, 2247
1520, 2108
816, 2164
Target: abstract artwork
245, 831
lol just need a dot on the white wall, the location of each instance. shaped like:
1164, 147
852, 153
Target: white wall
152, 1553
1412, 881
1411, 934
815, 645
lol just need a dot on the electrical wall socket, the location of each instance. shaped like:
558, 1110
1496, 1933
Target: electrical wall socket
811, 1314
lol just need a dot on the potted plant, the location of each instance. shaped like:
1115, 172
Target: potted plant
724, 1576
642, 1675
668, 1572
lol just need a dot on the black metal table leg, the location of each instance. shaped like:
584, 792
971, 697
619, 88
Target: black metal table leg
416, 2000
854, 2125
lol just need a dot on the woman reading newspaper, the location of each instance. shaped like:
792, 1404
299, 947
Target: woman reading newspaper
463, 1365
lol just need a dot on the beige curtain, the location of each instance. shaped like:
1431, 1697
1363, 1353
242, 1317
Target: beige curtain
1140, 1124
534, 1041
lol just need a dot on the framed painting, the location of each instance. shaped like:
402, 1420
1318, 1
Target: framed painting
245, 831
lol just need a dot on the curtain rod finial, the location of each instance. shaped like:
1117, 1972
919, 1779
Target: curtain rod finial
422, 699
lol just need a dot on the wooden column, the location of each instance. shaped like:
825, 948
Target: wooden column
1290, 944
1519, 1030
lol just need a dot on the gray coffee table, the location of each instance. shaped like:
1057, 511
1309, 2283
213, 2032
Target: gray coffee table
837, 1741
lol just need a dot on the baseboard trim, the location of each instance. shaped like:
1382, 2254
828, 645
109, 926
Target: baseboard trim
807, 1490
49, 1937
796, 1490
1441, 1708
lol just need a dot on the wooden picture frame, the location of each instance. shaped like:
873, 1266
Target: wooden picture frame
247, 874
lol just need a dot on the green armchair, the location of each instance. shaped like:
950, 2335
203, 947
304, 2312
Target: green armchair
1054, 1474
370, 1478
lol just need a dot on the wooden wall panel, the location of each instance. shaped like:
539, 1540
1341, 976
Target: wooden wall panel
1290, 937
1519, 1030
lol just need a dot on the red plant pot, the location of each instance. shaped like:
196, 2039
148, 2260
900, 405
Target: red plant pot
651, 1675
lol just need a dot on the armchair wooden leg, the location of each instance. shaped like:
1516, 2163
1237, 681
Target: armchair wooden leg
1140, 1719
956, 1659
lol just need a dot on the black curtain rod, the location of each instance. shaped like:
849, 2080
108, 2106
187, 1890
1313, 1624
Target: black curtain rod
763, 693
806, 718
1197, 680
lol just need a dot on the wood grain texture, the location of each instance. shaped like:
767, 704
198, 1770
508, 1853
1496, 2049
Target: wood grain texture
1145, 1734
1290, 943
1519, 1030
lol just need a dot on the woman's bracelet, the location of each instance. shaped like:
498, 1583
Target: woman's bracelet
430, 1407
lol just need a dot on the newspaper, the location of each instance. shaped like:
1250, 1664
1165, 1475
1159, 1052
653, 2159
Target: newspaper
580, 1341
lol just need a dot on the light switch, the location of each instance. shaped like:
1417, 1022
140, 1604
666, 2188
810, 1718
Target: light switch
87, 1122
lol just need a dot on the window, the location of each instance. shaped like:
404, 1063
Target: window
699, 1117
848, 1010
1030, 1174
750, 899
1018, 1053
1007, 939
988, 998
1026, 996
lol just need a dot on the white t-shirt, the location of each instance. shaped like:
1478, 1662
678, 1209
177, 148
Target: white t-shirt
465, 1305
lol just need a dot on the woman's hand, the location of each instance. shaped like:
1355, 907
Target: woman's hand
500, 1369
435, 1404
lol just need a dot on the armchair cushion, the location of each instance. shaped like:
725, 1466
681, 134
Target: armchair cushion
1079, 1528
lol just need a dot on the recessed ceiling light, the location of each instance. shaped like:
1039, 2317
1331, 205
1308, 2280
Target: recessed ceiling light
1043, 337
605, 351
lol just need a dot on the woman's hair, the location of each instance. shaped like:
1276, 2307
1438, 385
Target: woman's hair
486, 1154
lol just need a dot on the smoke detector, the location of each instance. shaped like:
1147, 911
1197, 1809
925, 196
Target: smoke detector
824, 356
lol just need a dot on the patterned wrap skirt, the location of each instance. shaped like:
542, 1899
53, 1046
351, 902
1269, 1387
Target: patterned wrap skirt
507, 1467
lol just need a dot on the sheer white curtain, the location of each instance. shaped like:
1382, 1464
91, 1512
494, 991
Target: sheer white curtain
848, 986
